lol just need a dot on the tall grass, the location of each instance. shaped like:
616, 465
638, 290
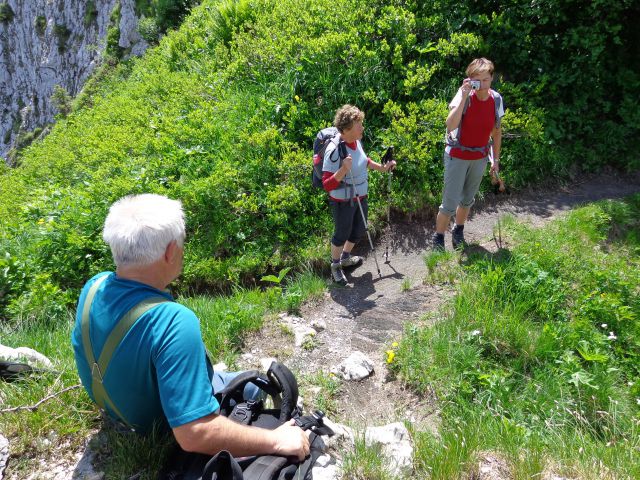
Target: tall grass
537, 357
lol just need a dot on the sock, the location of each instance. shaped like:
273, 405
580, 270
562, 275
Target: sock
440, 235
333, 260
344, 255
458, 228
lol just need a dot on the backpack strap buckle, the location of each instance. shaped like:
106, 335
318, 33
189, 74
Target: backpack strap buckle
96, 373
243, 412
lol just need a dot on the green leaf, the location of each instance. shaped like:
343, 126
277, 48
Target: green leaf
593, 356
270, 278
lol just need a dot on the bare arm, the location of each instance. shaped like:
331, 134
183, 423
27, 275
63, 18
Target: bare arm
381, 168
455, 113
344, 169
213, 433
496, 135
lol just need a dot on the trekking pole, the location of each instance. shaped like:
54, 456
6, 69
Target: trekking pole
386, 158
500, 185
364, 220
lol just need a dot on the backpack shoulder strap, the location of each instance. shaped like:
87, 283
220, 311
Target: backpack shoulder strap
222, 467
336, 141
99, 368
286, 381
265, 467
497, 101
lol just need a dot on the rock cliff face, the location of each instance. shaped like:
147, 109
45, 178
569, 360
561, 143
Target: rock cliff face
45, 43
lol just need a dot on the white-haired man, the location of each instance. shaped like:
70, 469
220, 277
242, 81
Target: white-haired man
158, 372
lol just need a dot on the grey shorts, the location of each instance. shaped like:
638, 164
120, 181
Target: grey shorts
461, 182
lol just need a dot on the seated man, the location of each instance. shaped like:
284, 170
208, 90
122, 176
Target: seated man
157, 372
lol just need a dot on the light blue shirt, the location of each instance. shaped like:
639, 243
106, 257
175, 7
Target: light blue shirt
359, 173
160, 372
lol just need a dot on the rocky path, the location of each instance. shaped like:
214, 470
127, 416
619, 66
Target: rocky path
370, 312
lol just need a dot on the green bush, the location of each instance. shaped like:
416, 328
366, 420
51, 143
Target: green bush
113, 48
6, 12
62, 34
40, 24
90, 13
148, 29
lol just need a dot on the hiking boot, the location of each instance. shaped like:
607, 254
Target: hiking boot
437, 242
457, 237
337, 274
351, 261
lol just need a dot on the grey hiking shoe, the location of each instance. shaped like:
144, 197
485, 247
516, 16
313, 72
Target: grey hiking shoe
437, 242
351, 261
457, 237
337, 274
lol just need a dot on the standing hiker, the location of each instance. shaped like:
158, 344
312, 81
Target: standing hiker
345, 177
473, 129
157, 372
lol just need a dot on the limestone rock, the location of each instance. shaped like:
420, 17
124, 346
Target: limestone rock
50, 43
327, 468
4, 454
356, 367
396, 446
24, 355
344, 437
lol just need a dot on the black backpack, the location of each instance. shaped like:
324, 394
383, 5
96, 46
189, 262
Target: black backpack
281, 385
10, 371
323, 139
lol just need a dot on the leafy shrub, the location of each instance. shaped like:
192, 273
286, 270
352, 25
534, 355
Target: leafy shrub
90, 13
148, 29
113, 48
6, 12
40, 24
61, 100
229, 18
62, 34
169, 13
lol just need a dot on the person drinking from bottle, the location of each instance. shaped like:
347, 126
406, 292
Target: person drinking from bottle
345, 177
473, 131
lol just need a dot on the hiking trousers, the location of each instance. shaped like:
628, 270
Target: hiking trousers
461, 182
347, 220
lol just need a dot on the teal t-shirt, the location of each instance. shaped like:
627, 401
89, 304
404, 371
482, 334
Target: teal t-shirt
160, 372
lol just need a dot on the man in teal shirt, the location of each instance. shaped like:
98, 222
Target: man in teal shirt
159, 374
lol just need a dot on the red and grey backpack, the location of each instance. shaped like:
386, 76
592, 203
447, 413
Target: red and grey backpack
324, 137
453, 140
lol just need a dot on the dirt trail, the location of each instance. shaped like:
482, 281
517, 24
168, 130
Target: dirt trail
370, 313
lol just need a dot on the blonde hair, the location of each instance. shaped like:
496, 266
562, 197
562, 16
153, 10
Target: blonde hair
346, 116
480, 65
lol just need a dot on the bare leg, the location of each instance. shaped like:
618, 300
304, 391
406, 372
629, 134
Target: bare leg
461, 215
336, 251
348, 246
442, 222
